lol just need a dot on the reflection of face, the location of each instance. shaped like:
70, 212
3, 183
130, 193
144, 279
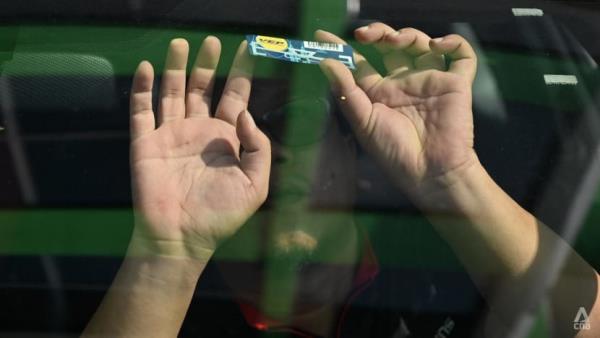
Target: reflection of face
309, 218
307, 182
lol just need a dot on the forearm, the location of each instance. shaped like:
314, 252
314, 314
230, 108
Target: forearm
490, 232
149, 297
509, 254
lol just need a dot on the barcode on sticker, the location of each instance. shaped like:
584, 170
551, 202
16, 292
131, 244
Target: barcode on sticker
324, 46
299, 51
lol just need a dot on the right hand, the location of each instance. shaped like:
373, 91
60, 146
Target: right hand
192, 186
417, 119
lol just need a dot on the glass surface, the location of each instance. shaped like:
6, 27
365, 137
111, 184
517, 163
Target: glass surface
65, 189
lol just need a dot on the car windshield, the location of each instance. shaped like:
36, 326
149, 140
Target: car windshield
337, 228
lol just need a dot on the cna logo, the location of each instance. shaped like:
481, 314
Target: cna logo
582, 321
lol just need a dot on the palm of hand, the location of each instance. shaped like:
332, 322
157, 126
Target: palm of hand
198, 176
421, 123
417, 120
188, 174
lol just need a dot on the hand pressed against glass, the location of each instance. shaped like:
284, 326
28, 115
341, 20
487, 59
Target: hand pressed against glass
417, 119
418, 122
192, 186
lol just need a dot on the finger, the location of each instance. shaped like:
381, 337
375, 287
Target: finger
414, 43
353, 100
411, 41
237, 89
202, 78
405, 49
462, 57
430, 61
374, 34
140, 104
256, 154
366, 76
172, 89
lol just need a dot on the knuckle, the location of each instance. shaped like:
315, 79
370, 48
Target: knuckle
235, 94
455, 37
381, 26
172, 92
198, 90
141, 113
411, 31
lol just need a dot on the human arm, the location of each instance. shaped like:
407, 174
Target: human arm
513, 257
417, 122
192, 188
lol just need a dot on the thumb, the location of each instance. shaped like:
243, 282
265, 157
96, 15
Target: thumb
256, 155
354, 102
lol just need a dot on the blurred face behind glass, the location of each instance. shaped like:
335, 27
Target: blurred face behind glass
312, 185
308, 218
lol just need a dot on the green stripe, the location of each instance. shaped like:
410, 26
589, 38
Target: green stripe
124, 47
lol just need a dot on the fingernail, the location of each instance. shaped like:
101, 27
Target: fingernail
438, 40
210, 37
179, 41
362, 29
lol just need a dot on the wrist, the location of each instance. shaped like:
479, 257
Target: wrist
143, 245
451, 192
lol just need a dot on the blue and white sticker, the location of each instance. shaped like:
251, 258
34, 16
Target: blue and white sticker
307, 52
